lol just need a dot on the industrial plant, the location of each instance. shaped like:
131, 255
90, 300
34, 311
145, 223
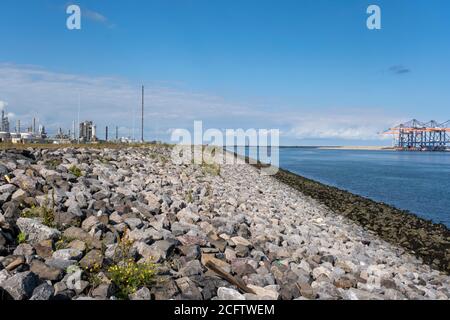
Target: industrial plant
87, 132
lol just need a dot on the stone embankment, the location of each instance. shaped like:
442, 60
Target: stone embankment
128, 223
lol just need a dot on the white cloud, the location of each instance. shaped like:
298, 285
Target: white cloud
3, 105
349, 125
53, 98
97, 17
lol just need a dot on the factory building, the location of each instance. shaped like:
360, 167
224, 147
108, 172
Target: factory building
87, 132
4, 128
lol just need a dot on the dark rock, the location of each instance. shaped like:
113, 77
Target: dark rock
43, 292
290, 291
328, 258
64, 295
21, 285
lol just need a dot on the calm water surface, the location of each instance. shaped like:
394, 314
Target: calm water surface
414, 181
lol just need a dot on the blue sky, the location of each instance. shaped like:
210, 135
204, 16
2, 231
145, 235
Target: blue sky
310, 68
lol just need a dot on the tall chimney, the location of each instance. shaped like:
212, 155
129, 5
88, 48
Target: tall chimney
34, 125
106, 133
142, 125
117, 133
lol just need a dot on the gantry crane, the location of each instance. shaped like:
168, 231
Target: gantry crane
419, 136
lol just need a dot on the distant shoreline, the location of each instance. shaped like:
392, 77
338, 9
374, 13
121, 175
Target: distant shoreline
367, 148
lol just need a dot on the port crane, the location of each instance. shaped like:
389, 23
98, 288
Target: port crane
415, 135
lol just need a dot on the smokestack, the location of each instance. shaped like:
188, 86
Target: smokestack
117, 133
142, 125
18, 126
34, 125
106, 133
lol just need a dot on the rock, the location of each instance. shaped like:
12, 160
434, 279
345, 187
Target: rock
147, 235
24, 249
116, 218
19, 195
7, 188
290, 291
321, 271
328, 258
345, 282
77, 245
264, 293
93, 258
241, 268
59, 264
36, 231
179, 229
141, 294
229, 294
44, 271
219, 244
164, 247
192, 268
241, 241
75, 210
21, 285
154, 207
186, 215
44, 248
103, 291
65, 219
89, 223
164, 290
47, 174
191, 252
43, 292
75, 233
4, 275
307, 291
241, 251
68, 254
134, 223
357, 294
188, 289
190, 240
